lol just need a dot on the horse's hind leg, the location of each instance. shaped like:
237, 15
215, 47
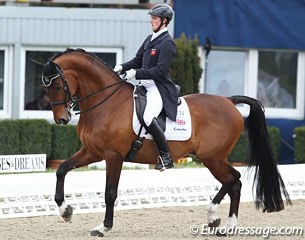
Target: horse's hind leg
79, 159
234, 194
229, 178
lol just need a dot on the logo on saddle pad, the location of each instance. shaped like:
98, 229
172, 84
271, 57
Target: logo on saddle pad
181, 130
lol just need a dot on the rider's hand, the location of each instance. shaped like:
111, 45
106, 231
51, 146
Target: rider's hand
130, 74
118, 69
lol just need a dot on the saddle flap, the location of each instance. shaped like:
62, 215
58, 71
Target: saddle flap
140, 103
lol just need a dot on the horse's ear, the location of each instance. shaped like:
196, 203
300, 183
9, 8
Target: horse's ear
39, 64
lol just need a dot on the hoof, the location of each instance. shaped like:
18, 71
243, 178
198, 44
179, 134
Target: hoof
220, 234
67, 215
215, 223
96, 233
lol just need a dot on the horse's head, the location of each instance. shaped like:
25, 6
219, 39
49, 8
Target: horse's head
81, 75
58, 90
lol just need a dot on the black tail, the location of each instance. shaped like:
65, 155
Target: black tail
267, 179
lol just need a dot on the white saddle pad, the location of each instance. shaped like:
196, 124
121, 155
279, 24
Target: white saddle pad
181, 130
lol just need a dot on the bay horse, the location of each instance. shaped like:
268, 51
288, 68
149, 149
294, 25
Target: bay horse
105, 130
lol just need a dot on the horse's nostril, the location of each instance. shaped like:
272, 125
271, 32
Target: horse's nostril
62, 121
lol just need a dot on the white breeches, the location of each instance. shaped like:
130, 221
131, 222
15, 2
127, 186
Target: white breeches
154, 101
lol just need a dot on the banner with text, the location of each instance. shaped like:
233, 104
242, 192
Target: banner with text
23, 163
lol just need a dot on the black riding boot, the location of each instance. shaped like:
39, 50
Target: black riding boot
165, 160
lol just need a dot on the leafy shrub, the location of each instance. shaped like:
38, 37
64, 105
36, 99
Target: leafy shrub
9, 137
299, 144
186, 69
25, 137
35, 136
65, 141
241, 152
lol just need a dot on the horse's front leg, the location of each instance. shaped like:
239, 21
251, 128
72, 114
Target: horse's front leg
113, 172
82, 158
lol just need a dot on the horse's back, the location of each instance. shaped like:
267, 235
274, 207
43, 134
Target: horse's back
220, 109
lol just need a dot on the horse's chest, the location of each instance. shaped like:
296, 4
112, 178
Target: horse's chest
91, 141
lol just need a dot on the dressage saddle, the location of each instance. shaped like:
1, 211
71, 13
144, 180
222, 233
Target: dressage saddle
140, 102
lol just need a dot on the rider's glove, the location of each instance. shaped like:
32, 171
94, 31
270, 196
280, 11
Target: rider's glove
130, 74
118, 69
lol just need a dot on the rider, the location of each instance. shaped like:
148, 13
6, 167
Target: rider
151, 66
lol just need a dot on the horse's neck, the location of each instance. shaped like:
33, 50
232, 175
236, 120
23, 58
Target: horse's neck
95, 79
110, 94
91, 75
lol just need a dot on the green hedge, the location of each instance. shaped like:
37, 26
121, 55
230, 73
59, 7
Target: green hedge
36, 136
9, 137
65, 141
61, 142
25, 137
241, 152
299, 144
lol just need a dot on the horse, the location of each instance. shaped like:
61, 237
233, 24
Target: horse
105, 129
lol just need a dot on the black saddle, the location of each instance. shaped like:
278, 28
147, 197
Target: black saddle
141, 101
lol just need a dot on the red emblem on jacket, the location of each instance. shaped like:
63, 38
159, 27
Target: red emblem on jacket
153, 52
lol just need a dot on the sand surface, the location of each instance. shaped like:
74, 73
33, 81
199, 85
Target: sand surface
155, 223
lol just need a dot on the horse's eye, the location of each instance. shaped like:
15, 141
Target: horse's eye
57, 86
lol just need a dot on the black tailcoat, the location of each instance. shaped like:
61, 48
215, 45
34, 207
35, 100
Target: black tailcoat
153, 61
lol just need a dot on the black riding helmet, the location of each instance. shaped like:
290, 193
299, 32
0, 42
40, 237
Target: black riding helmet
162, 11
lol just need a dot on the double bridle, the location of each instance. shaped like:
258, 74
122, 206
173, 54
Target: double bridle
72, 100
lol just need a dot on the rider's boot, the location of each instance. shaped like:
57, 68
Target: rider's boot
165, 160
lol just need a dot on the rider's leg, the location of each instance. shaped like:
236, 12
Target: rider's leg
165, 158
153, 108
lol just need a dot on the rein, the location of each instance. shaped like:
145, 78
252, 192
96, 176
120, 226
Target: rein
122, 82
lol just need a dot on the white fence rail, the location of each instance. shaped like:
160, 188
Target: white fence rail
24, 195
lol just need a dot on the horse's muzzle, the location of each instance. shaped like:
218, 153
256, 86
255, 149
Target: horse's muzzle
64, 120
